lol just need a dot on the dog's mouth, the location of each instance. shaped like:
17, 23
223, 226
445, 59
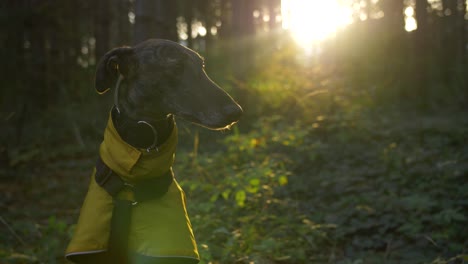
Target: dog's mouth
215, 120
221, 119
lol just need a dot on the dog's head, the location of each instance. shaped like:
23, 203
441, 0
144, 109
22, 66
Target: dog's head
161, 77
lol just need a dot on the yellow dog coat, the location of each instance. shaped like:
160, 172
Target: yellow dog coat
159, 228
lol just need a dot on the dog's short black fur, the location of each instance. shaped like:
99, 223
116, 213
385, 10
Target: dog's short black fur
156, 80
163, 78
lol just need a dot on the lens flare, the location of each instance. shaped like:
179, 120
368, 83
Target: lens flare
312, 21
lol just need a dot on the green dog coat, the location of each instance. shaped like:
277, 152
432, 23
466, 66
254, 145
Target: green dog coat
159, 228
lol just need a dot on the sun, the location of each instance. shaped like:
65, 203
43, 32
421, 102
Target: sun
312, 21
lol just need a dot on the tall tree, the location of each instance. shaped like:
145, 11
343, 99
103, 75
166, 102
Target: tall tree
242, 18
226, 19
462, 25
102, 22
155, 19
394, 20
393, 41
13, 44
242, 29
421, 48
13, 95
450, 37
36, 25
206, 9
188, 14
273, 6
120, 23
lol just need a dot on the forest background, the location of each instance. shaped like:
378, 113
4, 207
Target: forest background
353, 147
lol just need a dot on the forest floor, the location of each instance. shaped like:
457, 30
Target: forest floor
343, 182
395, 192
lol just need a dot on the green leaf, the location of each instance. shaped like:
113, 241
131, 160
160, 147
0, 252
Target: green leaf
283, 180
240, 198
254, 182
226, 194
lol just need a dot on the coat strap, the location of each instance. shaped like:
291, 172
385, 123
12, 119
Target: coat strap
120, 230
152, 188
145, 190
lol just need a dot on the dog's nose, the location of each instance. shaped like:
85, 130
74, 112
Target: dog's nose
233, 112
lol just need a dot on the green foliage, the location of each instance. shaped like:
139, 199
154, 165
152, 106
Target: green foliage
241, 182
48, 242
295, 193
327, 176
316, 172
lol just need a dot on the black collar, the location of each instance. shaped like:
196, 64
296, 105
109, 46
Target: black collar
142, 134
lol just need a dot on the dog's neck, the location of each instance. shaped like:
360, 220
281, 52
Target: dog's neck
140, 134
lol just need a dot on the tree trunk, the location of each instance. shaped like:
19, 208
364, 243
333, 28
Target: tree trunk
14, 97
225, 31
243, 29
102, 26
207, 15
243, 51
273, 6
394, 19
155, 19
421, 48
188, 14
242, 18
394, 42
12, 25
462, 34
124, 36
450, 39
463, 63
36, 86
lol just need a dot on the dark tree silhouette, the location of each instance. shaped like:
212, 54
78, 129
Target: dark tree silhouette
188, 15
155, 19
242, 28
102, 27
421, 48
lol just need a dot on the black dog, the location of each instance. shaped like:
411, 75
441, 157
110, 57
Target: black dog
153, 81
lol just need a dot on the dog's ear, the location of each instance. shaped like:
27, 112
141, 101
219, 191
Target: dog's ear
112, 64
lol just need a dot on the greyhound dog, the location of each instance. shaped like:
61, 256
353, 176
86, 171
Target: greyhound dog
135, 211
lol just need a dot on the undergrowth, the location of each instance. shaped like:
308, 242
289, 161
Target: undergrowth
329, 176
317, 171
